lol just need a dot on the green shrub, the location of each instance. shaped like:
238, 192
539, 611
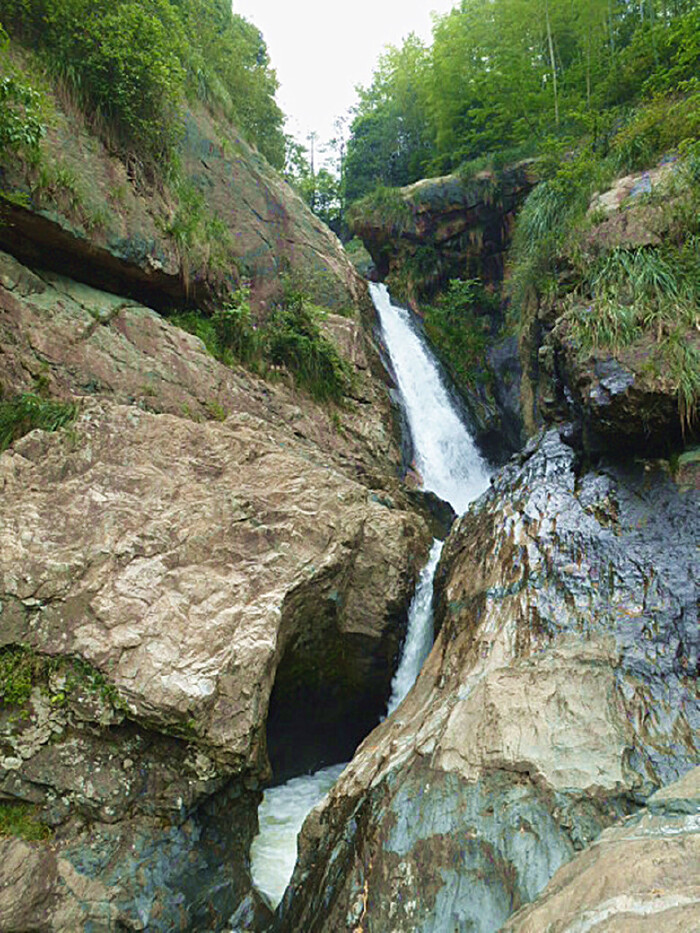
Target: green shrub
234, 328
290, 337
293, 339
458, 326
24, 413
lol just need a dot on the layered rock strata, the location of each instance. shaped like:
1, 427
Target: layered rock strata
559, 695
640, 876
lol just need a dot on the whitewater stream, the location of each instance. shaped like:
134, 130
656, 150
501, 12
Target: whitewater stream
450, 466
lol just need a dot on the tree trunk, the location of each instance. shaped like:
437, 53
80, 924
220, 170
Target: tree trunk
552, 59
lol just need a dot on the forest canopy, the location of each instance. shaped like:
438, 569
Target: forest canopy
515, 77
132, 64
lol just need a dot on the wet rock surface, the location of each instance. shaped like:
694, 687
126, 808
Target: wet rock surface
639, 876
559, 696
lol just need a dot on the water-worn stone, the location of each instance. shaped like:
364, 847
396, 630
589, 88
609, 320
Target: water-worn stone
559, 696
640, 876
201, 566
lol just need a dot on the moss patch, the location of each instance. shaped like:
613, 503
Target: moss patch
22, 820
22, 668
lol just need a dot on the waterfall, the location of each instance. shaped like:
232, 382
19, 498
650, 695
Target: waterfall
445, 455
451, 467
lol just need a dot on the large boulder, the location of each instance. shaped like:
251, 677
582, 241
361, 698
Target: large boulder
559, 695
640, 876
198, 578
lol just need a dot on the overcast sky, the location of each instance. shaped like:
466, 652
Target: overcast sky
321, 50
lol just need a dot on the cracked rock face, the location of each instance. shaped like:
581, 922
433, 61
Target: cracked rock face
559, 696
160, 576
181, 560
639, 876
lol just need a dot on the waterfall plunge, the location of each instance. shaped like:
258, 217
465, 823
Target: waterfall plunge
451, 467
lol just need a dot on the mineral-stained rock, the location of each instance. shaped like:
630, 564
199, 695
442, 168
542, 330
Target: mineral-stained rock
191, 565
640, 876
558, 697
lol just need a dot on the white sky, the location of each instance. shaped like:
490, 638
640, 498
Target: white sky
322, 50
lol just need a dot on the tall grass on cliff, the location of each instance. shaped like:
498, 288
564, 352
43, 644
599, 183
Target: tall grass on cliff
24, 413
288, 340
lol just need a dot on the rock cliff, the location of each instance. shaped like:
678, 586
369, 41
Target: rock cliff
204, 570
558, 697
78, 209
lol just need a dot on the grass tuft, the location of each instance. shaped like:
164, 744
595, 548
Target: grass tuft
24, 413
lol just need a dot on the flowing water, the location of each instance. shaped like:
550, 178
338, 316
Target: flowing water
450, 466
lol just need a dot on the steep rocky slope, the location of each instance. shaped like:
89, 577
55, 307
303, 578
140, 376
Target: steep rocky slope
559, 695
203, 571
77, 208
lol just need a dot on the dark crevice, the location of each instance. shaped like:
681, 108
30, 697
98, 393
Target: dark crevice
330, 691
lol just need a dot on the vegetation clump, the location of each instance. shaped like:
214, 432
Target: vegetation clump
22, 668
25, 412
132, 65
289, 338
458, 324
22, 820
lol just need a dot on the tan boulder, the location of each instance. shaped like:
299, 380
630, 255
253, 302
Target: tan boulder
640, 876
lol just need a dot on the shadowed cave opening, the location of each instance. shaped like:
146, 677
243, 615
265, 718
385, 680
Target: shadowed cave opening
330, 690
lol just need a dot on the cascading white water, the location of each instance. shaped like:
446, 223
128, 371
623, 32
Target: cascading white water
281, 814
445, 455
451, 467
419, 633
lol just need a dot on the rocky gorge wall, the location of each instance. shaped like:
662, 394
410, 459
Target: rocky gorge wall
559, 695
202, 569
547, 754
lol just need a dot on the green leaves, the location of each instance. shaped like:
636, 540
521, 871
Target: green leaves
24, 413
131, 65
20, 122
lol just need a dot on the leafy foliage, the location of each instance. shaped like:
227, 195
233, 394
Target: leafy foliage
132, 64
24, 413
521, 75
289, 339
458, 325
21, 124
